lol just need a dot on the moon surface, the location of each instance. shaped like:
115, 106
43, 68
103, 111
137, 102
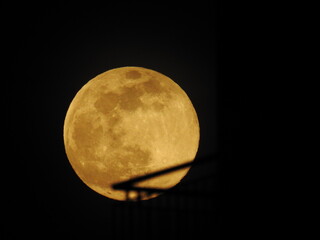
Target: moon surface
128, 122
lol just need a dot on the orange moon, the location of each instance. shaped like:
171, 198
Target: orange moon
128, 122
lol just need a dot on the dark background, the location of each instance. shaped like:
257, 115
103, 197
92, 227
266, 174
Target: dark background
52, 50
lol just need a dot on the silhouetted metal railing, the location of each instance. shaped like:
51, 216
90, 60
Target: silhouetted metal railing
129, 185
185, 210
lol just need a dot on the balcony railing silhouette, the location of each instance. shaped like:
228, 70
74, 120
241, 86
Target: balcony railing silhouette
129, 185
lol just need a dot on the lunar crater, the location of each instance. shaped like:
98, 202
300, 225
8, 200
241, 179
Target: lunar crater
107, 102
84, 134
133, 74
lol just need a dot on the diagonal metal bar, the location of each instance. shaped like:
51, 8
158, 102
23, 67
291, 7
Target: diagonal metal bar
129, 184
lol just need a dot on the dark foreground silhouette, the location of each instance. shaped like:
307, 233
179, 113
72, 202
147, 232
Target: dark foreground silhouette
129, 185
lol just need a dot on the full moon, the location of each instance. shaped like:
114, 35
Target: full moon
129, 122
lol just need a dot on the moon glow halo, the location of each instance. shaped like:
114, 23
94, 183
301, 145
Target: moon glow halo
128, 122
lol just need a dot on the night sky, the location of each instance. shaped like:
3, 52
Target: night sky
52, 50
